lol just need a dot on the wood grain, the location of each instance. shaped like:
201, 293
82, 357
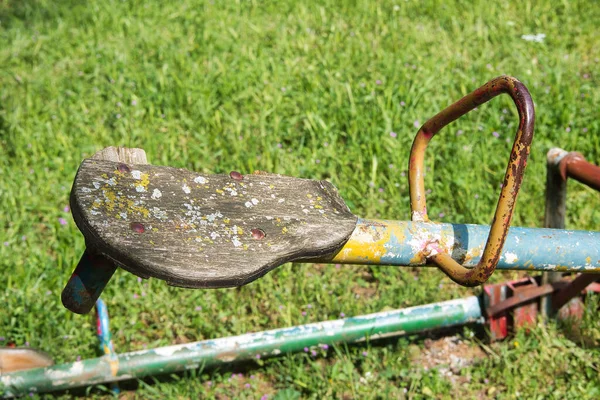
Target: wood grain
94, 270
196, 230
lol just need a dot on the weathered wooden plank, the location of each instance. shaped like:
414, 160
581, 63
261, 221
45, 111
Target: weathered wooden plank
95, 270
122, 154
196, 230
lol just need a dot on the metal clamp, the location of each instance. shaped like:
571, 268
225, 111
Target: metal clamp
512, 179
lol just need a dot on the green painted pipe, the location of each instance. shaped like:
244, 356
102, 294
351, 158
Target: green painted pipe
244, 347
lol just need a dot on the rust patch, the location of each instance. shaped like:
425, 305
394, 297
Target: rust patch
512, 179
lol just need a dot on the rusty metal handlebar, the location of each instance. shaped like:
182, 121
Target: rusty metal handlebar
574, 165
512, 179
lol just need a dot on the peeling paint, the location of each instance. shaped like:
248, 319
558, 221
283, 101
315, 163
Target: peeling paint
213, 352
401, 243
510, 258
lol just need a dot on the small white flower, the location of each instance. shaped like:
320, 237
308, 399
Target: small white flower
538, 38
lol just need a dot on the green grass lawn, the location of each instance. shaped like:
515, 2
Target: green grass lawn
327, 90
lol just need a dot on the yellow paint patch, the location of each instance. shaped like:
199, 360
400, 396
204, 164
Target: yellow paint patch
114, 364
367, 244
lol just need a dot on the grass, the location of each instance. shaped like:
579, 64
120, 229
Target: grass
310, 89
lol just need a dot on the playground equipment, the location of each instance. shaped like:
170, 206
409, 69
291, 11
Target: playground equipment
208, 231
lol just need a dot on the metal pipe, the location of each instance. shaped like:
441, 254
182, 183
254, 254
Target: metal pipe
572, 290
554, 217
574, 165
249, 346
401, 243
513, 177
87, 282
103, 329
562, 165
105, 337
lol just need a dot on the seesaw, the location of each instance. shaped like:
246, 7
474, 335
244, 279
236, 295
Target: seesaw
213, 231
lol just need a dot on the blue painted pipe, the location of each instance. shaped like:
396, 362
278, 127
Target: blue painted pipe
402, 243
105, 337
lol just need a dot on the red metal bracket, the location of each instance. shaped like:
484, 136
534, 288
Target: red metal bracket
515, 304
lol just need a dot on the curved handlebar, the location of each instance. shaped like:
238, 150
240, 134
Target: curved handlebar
512, 179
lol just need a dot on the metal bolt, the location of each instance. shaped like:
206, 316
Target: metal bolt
123, 168
236, 176
137, 227
258, 234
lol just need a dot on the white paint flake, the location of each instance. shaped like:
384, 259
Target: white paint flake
511, 258
140, 188
156, 194
248, 204
166, 351
236, 241
428, 242
136, 174
55, 375
201, 180
186, 189
417, 217
254, 201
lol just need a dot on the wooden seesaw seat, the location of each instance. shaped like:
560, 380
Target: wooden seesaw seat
204, 231
196, 230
